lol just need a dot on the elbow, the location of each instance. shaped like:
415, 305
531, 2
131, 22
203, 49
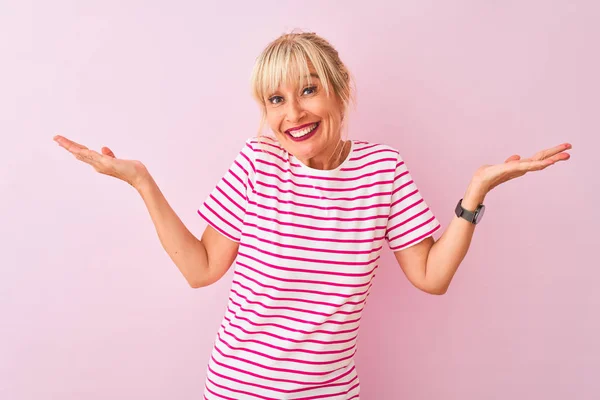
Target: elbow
195, 285
431, 287
196, 282
437, 291
196, 278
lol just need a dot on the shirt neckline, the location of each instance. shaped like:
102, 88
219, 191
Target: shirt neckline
316, 171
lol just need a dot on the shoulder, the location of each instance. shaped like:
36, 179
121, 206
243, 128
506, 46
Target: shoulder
264, 142
372, 151
266, 148
366, 146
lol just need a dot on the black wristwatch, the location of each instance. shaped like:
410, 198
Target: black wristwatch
472, 216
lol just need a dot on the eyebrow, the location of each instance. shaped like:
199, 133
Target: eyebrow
312, 74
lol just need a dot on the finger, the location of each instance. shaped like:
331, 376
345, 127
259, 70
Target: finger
554, 159
541, 155
536, 165
108, 152
90, 157
68, 144
63, 141
514, 157
559, 157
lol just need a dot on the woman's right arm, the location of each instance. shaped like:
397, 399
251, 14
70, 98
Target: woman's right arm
201, 262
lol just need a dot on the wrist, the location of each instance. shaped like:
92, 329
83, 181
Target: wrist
143, 182
474, 196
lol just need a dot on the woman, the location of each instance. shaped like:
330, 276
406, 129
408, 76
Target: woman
304, 214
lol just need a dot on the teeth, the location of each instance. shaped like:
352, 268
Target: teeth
303, 132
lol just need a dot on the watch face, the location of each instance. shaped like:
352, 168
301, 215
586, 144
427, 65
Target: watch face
480, 214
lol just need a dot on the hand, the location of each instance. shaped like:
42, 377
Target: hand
490, 176
130, 171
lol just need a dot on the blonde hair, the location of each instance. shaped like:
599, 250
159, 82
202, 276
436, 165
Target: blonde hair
289, 56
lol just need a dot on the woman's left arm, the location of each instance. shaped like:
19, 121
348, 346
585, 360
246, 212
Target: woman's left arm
446, 254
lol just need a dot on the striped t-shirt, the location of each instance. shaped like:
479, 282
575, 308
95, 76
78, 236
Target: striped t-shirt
309, 246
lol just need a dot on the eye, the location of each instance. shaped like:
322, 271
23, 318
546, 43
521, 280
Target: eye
312, 89
273, 99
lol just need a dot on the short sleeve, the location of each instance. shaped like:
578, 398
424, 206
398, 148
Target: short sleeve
410, 220
225, 208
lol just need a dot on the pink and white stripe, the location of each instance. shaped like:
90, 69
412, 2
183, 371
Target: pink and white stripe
309, 246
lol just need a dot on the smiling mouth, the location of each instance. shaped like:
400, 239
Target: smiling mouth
300, 133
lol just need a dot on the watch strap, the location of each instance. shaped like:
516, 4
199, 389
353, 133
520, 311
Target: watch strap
463, 213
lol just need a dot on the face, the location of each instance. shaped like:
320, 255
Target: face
302, 119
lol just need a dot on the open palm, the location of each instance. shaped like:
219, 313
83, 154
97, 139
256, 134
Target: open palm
130, 171
491, 176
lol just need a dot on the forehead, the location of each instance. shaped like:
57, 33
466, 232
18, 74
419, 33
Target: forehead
294, 74
297, 81
288, 71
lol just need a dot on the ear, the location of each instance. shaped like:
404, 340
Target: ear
340, 104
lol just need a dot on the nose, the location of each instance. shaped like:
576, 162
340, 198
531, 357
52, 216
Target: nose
294, 111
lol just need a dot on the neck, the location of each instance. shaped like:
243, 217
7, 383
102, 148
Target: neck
331, 159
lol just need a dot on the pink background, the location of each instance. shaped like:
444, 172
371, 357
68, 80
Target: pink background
93, 308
